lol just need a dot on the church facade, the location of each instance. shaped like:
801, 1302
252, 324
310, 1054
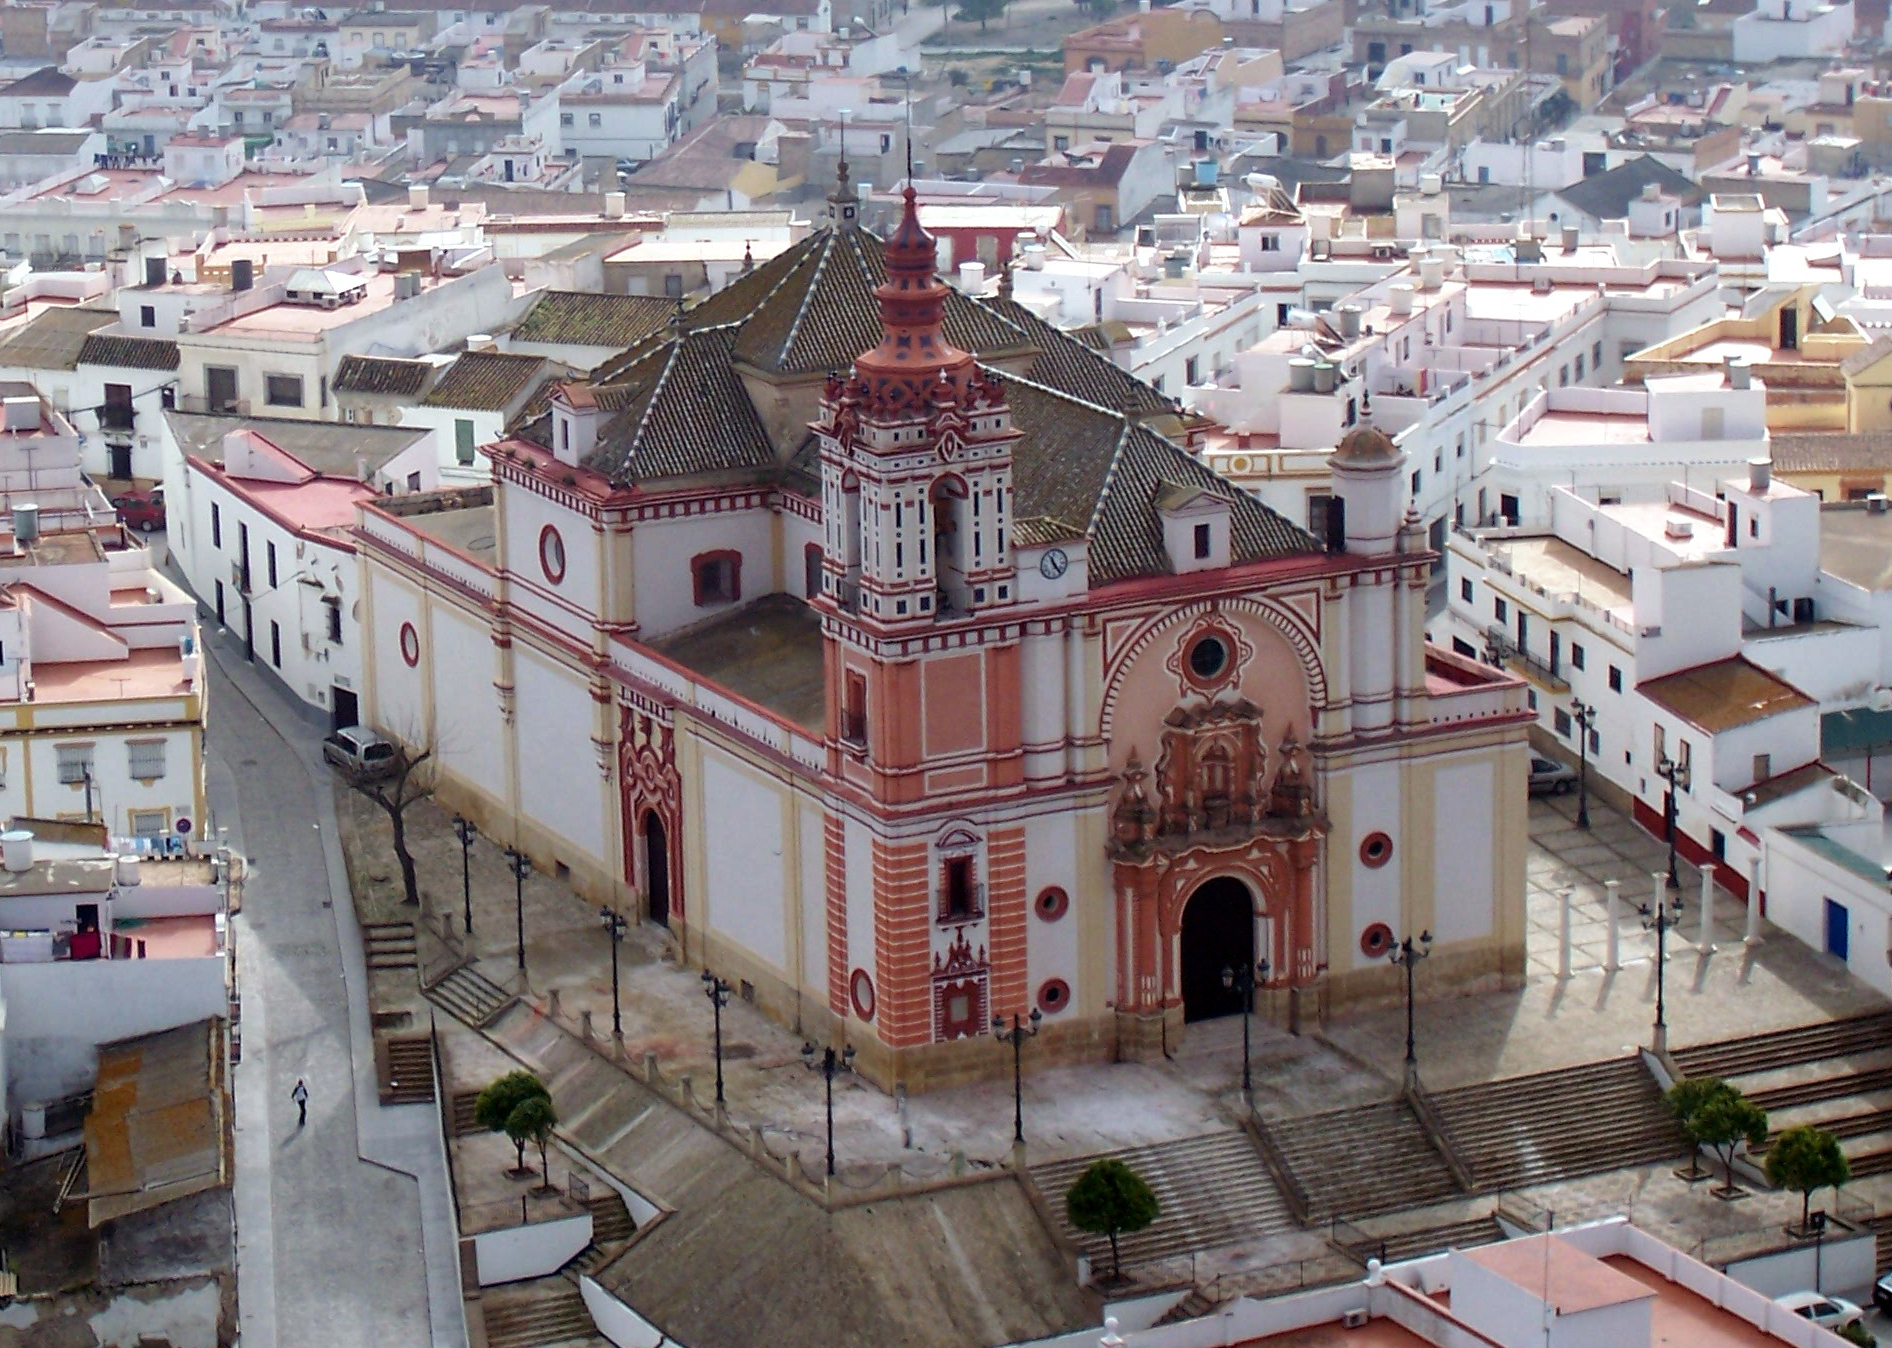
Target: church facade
892, 650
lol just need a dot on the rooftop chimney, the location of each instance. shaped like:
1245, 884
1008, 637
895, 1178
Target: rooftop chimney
1760, 475
417, 196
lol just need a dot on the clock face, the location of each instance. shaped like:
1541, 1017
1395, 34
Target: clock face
1054, 564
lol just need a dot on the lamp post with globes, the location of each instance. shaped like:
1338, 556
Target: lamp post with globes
1666, 914
831, 1065
1584, 715
613, 922
1020, 1029
1243, 982
521, 866
1677, 776
463, 830
718, 993
1408, 953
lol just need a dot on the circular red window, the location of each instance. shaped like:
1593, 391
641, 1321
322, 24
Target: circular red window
861, 988
551, 554
1053, 996
1376, 940
1052, 904
410, 645
1376, 849
1208, 658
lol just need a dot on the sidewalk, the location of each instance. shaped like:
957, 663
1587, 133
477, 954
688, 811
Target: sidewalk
345, 1229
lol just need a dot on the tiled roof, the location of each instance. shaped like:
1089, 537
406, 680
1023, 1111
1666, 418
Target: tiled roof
1724, 695
44, 82
382, 374
53, 340
682, 410
1867, 356
1832, 452
1077, 368
129, 353
578, 319
484, 381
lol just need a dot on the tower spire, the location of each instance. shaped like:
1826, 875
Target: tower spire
844, 204
905, 372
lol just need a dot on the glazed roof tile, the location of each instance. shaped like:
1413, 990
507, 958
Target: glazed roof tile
683, 411
484, 381
382, 374
576, 318
129, 353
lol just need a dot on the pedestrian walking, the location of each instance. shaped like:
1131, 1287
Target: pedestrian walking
301, 1096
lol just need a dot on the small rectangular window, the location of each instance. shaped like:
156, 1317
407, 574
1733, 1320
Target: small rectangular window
1616, 679
334, 607
75, 763
147, 316
1465, 589
1203, 539
145, 759
275, 643
463, 440
1576, 655
854, 709
717, 578
1763, 767
1561, 719
1500, 610
216, 525
282, 390
269, 563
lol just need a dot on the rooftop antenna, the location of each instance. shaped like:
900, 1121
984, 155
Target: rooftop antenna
909, 108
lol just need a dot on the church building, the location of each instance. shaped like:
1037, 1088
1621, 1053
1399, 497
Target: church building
892, 650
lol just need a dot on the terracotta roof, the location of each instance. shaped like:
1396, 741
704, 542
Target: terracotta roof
576, 318
129, 353
484, 381
1867, 356
1831, 452
683, 410
1109, 167
53, 340
382, 374
1724, 695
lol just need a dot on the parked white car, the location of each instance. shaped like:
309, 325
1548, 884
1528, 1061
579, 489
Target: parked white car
1827, 1312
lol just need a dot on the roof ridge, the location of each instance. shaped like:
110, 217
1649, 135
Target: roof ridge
1110, 477
656, 391
821, 267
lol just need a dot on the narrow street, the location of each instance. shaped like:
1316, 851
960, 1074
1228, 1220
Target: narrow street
329, 1247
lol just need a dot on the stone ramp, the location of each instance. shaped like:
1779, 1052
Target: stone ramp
1364, 1162
1214, 1192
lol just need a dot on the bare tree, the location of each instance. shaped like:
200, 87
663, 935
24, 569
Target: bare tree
396, 784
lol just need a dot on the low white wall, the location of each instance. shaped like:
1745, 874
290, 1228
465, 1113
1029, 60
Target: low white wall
100, 1001
529, 1251
618, 1322
1843, 1263
166, 900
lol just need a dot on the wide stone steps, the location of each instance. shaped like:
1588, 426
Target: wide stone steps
389, 945
1784, 1048
587, 1260
1821, 1088
553, 1312
610, 1220
1213, 1191
1421, 1241
1192, 1307
1363, 1162
1560, 1125
405, 1068
1882, 1227
470, 997
465, 1103
1843, 1118
1869, 1154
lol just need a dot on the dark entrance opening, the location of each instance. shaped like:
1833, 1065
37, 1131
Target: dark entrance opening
345, 711
656, 869
1218, 932
1789, 328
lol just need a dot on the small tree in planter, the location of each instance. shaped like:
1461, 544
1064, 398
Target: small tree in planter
1723, 1123
1110, 1199
1686, 1099
532, 1120
494, 1109
1804, 1159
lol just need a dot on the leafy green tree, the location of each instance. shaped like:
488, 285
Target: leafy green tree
494, 1109
1110, 1199
1804, 1159
1687, 1099
532, 1120
982, 10
1725, 1121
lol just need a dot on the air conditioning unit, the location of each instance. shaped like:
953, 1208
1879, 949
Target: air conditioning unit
1355, 1319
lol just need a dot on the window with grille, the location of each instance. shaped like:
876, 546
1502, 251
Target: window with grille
75, 763
145, 759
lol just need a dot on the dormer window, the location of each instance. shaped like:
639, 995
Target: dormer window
1195, 528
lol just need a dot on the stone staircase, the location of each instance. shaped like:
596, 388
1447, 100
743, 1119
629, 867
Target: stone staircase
470, 997
611, 1226
1192, 1307
1836, 1076
389, 945
1364, 1161
464, 1103
1559, 1125
541, 1312
1213, 1190
404, 1069
1417, 1242
1882, 1227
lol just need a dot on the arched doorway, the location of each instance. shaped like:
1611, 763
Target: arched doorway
656, 869
1218, 932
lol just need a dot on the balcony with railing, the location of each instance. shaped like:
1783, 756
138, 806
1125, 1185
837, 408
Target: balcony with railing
1500, 648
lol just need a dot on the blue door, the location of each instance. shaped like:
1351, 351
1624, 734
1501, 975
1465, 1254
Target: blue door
1836, 925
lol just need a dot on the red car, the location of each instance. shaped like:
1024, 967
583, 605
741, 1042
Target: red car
142, 510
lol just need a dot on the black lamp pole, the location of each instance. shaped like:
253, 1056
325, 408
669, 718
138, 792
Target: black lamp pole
1408, 953
521, 866
1585, 716
831, 1065
1676, 775
1244, 981
1021, 1029
613, 921
463, 830
1660, 919
718, 992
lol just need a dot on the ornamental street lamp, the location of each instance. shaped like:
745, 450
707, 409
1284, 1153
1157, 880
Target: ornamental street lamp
1022, 1028
1244, 981
1666, 914
831, 1065
463, 830
1676, 775
613, 922
1408, 953
521, 866
1585, 716
718, 992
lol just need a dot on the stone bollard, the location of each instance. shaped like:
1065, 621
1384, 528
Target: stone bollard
686, 1093
1612, 960
650, 1068
446, 927
551, 1004
584, 1026
1563, 933
1705, 940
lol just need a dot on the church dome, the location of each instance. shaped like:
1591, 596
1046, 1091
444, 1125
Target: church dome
1366, 446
